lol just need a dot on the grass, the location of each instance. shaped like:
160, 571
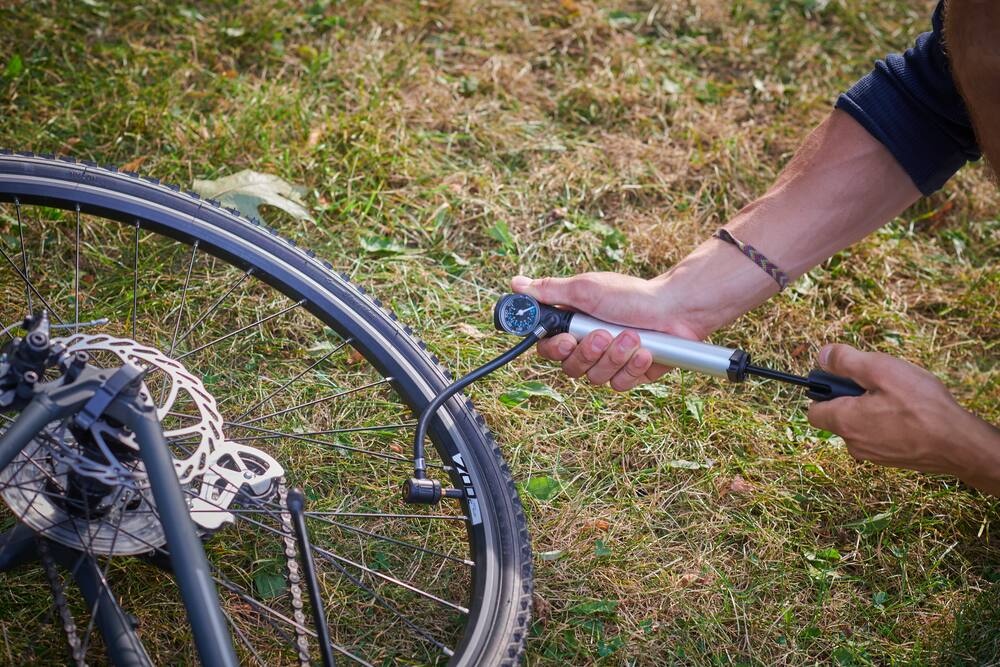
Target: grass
688, 522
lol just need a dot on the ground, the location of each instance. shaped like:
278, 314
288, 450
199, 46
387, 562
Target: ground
448, 146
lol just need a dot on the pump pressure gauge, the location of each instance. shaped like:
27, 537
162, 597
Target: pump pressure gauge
517, 314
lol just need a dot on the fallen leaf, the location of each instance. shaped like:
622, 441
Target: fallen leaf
696, 408
354, 357
383, 247
396, 448
270, 584
597, 524
570, 6
470, 331
551, 555
526, 390
541, 608
736, 485
542, 487
133, 165
690, 465
247, 190
315, 135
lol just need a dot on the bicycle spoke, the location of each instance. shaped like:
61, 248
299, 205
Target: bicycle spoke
76, 275
392, 540
339, 561
180, 308
215, 305
292, 381
334, 445
24, 252
243, 639
242, 329
31, 286
257, 604
334, 431
346, 392
399, 585
135, 278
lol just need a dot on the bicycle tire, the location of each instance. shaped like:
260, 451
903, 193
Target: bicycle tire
500, 602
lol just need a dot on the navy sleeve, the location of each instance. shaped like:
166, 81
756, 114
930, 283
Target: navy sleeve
910, 103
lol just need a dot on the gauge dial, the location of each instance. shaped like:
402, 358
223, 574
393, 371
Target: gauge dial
517, 314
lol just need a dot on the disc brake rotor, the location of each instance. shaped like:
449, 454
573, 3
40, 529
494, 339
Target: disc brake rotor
89, 490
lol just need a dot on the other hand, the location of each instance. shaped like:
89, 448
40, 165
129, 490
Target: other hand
907, 419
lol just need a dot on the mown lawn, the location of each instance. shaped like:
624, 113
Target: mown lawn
450, 145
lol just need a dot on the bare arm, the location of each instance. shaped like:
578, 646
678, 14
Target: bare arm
841, 185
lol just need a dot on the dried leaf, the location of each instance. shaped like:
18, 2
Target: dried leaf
598, 524
247, 190
541, 608
736, 485
470, 331
690, 465
133, 165
315, 135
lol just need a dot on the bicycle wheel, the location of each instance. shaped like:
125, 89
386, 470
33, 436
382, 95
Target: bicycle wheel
269, 370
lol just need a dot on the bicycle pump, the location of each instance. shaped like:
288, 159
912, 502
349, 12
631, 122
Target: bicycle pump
522, 315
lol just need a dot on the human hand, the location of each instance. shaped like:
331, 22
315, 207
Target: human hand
907, 419
615, 298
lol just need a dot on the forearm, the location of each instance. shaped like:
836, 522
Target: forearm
840, 186
981, 467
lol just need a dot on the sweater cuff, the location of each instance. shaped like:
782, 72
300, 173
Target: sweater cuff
923, 149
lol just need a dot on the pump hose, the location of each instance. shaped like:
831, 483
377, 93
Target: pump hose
419, 466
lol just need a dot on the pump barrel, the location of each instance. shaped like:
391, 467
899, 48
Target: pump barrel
666, 349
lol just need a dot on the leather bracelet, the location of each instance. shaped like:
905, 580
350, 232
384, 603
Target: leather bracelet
756, 257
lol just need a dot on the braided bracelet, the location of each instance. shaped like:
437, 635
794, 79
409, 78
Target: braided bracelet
756, 257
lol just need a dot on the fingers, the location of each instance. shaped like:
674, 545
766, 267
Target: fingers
557, 348
615, 358
829, 415
573, 291
634, 371
862, 367
619, 361
588, 352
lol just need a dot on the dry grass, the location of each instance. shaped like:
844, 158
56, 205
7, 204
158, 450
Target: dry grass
580, 127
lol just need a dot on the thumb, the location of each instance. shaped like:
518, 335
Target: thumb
554, 291
849, 362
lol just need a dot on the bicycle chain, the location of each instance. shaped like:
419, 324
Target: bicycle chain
294, 580
62, 606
